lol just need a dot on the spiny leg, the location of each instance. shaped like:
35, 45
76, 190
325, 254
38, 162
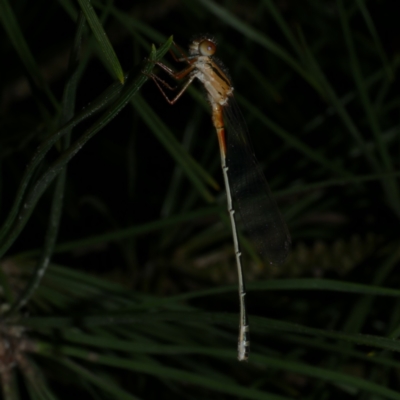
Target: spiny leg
175, 99
185, 58
165, 84
176, 74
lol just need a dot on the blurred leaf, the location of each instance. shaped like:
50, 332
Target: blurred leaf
17, 38
102, 39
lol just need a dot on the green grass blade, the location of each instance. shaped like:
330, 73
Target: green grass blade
328, 375
162, 372
286, 30
136, 230
14, 32
129, 89
341, 111
191, 168
102, 39
291, 139
9, 388
307, 284
374, 34
389, 184
104, 100
259, 325
104, 385
68, 107
258, 37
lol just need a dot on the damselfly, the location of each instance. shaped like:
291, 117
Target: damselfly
246, 187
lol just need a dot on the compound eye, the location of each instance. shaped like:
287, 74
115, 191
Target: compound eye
207, 48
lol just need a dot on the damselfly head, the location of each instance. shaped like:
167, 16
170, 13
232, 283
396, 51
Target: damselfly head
203, 46
207, 48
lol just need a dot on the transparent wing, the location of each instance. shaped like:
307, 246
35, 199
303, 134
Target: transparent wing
251, 196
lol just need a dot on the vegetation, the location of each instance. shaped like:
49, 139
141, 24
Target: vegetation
118, 277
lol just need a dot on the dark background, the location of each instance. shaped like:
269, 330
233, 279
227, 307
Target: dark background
342, 210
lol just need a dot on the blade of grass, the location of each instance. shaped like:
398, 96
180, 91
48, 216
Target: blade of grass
8, 384
378, 45
340, 110
327, 375
132, 231
137, 347
102, 39
352, 95
259, 38
14, 32
34, 379
177, 178
225, 387
260, 325
162, 372
134, 25
390, 185
291, 139
104, 385
307, 284
5, 285
68, 107
287, 32
70, 9
131, 87
104, 100
334, 182
359, 312
338, 348
190, 167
